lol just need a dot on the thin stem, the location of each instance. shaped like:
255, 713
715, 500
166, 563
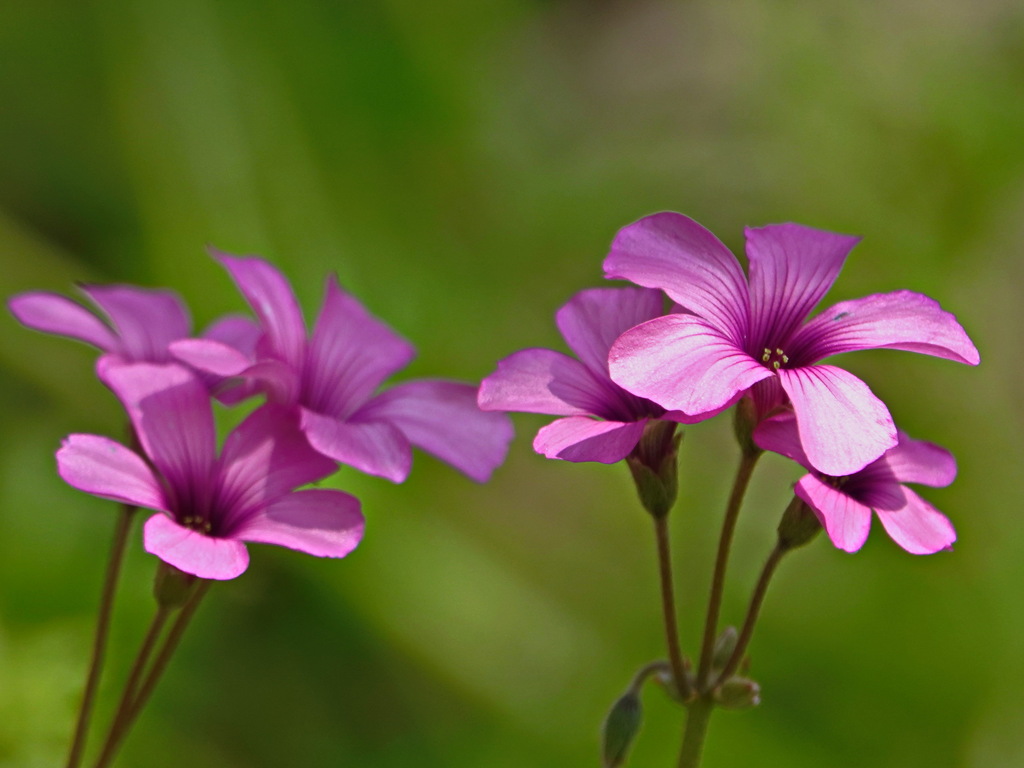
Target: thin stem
668, 606
748, 461
696, 731
99, 645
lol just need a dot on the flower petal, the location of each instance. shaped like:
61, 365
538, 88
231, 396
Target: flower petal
318, 522
146, 319
683, 363
352, 352
592, 320
376, 448
443, 418
99, 466
917, 461
210, 356
52, 313
578, 438
192, 552
843, 426
846, 520
673, 252
791, 269
235, 331
898, 320
779, 434
918, 527
544, 381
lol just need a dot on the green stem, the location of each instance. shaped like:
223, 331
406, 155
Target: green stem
696, 731
668, 606
748, 461
99, 646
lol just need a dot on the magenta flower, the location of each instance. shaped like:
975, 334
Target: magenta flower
750, 337
331, 379
844, 504
603, 422
210, 506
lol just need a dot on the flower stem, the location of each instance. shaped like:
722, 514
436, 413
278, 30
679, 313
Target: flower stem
668, 607
99, 646
696, 730
748, 461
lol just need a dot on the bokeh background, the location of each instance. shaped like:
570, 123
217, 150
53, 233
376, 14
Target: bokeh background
463, 166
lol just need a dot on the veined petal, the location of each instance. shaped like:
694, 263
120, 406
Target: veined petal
544, 381
99, 466
376, 448
352, 352
318, 522
917, 461
592, 320
918, 527
271, 298
898, 320
779, 434
52, 313
193, 552
791, 269
147, 319
846, 520
843, 426
682, 363
673, 252
210, 356
579, 438
443, 418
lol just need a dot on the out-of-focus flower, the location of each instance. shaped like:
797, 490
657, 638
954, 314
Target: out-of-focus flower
750, 337
210, 506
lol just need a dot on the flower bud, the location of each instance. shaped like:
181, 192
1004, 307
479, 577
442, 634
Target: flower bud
620, 728
172, 587
799, 525
738, 693
745, 419
654, 467
724, 646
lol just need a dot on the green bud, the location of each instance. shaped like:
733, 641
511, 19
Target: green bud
799, 525
744, 423
738, 693
653, 464
724, 646
172, 587
620, 729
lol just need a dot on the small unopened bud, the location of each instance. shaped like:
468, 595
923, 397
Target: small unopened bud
799, 525
654, 466
620, 729
744, 422
738, 693
724, 646
172, 587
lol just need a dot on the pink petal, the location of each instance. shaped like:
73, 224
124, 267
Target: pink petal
192, 552
146, 319
916, 461
899, 320
578, 438
52, 313
682, 363
918, 527
544, 381
351, 354
376, 448
846, 520
318, 522
271, 298
104, 468
210, 356
673, 252
592, 320
780, 435
843, 426
791, 269
235, 331
443, 418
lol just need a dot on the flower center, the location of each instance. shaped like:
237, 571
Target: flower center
197, 523
774, 359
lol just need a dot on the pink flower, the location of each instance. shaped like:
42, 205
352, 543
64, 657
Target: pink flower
844, 504
210, 506
750, 337
331, 379
603, 422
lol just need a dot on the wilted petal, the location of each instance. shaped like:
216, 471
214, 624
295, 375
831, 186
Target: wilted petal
843, 426
682, 363
147, 319
846, 520
52, 313
917, 461
578, 438
918, 527
543, 381
376, 448
318, 522
791, 269
676, 254
193, 552
104, 468
899, 320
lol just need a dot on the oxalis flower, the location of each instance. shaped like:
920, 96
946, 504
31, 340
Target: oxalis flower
749, 337
209, 506
603, 422
331, 379
844, 504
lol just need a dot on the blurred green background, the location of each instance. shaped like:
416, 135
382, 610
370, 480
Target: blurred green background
463, 166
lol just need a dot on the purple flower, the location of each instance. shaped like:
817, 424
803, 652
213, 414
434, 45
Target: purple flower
603, 422
844, 504
751, 337
331, 379
209, 506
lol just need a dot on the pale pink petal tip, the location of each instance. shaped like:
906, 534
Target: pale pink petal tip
580, 438
193, 552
